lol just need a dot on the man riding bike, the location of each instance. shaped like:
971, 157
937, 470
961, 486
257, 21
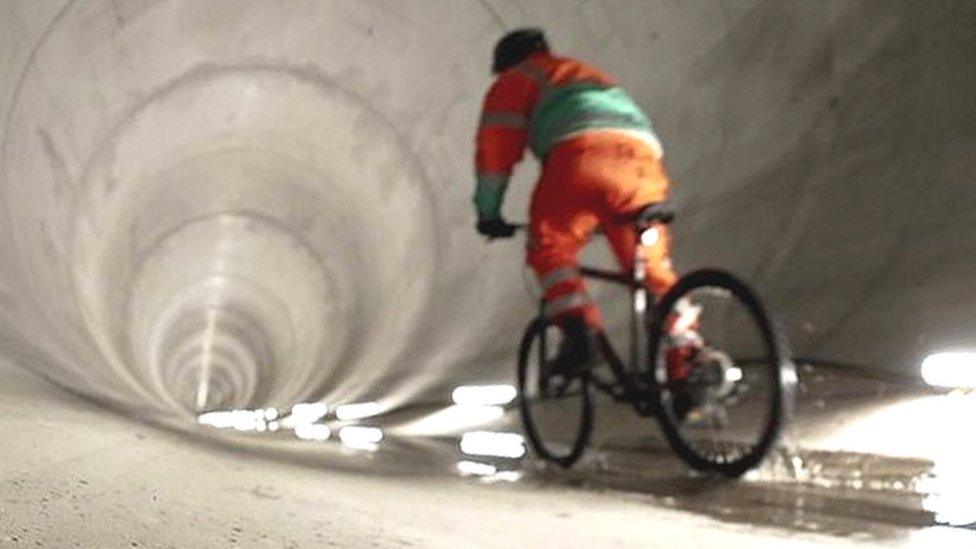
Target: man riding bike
601, 161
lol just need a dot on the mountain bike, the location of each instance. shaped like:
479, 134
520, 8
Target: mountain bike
740, 387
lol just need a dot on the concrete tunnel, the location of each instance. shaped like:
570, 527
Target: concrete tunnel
220, 204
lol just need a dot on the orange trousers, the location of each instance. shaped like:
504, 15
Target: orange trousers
590, 181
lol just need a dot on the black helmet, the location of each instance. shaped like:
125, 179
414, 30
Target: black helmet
516, 46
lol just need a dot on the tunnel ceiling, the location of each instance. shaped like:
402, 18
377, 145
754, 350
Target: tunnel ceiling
237, 203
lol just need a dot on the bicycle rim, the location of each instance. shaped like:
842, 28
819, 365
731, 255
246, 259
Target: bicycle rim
557, 414
729, 411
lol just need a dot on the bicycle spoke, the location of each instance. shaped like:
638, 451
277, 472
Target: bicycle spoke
725, 414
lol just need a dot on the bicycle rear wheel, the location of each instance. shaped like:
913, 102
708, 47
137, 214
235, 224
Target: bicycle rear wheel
726, 414
557, 411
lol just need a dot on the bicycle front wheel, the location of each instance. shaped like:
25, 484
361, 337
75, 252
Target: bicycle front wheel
725, 396
557, 411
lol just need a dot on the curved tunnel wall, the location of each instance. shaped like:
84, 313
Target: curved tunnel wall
246, 203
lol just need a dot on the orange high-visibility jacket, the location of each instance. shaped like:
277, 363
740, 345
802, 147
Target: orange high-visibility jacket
541, 102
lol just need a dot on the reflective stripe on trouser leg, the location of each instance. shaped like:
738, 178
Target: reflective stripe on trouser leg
566, 303
565, 295
558, 276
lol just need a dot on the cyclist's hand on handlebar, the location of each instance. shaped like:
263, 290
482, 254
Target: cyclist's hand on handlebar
495, 228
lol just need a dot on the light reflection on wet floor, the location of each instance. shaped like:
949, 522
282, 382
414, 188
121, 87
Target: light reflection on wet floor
848, 494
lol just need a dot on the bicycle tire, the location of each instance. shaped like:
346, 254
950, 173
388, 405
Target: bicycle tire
782, 373
536, 330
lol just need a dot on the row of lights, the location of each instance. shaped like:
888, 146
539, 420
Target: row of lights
305, 421
243, 420
954, 369
950, 486
486, 402
473, 405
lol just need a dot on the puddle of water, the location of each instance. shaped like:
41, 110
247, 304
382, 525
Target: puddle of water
858, 496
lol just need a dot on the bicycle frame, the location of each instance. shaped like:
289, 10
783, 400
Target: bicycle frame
628, 387
644, 383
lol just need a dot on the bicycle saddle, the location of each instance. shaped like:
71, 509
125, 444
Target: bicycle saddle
658, 212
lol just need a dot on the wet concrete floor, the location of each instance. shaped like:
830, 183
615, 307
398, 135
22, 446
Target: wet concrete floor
805, 484
801, 494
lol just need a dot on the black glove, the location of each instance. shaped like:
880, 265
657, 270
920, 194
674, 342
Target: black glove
495, 228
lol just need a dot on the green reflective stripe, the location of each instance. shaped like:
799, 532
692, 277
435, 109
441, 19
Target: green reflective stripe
558, 276
552, 93
577, 107
489, 193
508, 119
498, 180
566, 303
594, 120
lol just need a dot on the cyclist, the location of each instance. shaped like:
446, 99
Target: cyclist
601, 161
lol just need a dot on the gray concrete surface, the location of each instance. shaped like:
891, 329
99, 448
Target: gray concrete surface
278, 192
74, 475
253, 203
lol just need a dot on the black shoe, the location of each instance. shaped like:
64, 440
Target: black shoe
683, 404
576, 351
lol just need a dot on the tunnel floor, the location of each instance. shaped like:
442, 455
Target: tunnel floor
77, 473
